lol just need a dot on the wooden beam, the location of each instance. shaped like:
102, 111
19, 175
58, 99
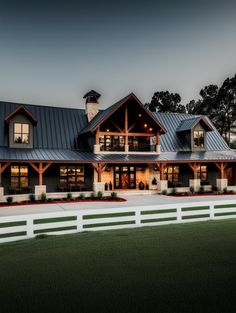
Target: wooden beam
126, 125
116, 126
99, 168
158, 139
3, 167
40, 170
129, 134
194, 167
131, 127
221, 167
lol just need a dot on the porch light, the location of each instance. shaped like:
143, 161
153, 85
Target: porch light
145, 125
107, 129
139, 115
150, 129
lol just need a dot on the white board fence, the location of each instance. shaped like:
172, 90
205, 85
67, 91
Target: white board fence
20, 227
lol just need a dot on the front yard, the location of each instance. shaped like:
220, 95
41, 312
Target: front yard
175, 268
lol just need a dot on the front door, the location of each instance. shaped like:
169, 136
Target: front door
124, 177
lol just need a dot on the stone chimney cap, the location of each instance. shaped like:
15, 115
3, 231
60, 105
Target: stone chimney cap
92, 93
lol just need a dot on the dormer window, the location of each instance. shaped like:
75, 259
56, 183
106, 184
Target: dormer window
198, 139
21, 133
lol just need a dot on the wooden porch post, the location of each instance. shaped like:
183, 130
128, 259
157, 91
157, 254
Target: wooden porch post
99, 167
2, 169
40, 170
221, 167
126, 125
194, 167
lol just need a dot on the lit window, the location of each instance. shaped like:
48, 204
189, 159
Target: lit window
19, 176
198, 138
21, 133
202, 173
171, 174
71, 175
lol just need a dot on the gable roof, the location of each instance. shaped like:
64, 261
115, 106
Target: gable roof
102, 116
171, 141
21, 109
57, 127
190, 123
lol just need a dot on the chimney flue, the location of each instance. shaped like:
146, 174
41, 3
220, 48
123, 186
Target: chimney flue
91, 104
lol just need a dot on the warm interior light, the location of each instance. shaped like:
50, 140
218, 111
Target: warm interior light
140, 115
145, 125
107, 129
150, 129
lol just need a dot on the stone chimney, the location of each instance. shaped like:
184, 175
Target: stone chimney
92, 104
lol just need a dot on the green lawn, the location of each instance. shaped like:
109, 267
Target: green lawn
176, 268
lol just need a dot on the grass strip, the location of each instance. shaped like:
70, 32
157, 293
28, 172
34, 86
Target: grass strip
158, 211
55, 219
226, 213
12, 224
154, 220
195, 216
223, 206
109, 224
50, 230
195, 208
17, 234
88, 217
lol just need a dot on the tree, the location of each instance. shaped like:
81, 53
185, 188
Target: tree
164, 101
219, 104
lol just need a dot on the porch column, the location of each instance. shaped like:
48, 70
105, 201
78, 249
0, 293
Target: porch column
98, 185
40, 188
195, 182
221, 182
126, 130
158, 143
96, 147
2, 169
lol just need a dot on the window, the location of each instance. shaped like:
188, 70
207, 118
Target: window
202, 173
71, 175
21, 133
198, 138
171, 173
19, 176
112, 143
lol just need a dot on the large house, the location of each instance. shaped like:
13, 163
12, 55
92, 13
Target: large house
54, 149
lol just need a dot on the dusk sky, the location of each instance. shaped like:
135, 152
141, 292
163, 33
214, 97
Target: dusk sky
53, 52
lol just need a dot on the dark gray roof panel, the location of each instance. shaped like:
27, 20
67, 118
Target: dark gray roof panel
187, 124
172, 141
65, 155
57, 128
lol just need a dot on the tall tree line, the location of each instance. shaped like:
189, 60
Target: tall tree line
219, 103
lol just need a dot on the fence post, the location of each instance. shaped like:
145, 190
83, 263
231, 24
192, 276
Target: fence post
179, 214
30, 226
212, 211
79, 222
138, 217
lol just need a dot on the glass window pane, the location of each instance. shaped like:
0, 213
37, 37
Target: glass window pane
15, 170
15, 182
17, 128
17, 138
71, 170
25, 128
24, 182
23, 171
25, 138
63, 171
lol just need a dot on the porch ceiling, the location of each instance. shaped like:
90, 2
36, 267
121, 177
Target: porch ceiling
67, 156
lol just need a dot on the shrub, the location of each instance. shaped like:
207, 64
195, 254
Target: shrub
43, 197
9, 200
92, 195
164, 192
32, 197
201, 189
69, 196
191, 189
99, 195
214, 188
113, 195
49, 200
225, 190
174, 191
81, 196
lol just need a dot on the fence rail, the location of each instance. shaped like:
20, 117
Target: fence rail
20, 227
